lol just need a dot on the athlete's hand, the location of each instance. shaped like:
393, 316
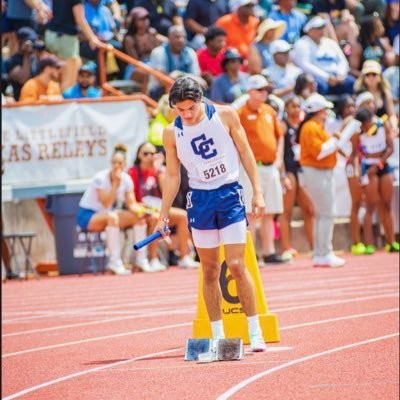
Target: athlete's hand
160, 227
257, 204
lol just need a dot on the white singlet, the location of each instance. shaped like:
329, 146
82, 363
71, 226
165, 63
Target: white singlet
376, 143
101, 180
207, 151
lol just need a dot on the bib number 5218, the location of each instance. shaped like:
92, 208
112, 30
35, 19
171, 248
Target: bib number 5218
214, 172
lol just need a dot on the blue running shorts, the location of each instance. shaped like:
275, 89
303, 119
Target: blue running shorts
83, 217
216, 208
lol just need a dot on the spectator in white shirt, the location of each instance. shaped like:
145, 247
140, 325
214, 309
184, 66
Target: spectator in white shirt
322, 57
283, 73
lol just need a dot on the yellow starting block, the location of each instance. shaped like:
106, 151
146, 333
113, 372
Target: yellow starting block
234, 318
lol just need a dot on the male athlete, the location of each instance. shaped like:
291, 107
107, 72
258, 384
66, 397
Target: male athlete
209, 141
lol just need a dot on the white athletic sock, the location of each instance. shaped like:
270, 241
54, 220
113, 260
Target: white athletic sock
254, 325
217, 328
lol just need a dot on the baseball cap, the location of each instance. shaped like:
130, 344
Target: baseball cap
315, 103
371, 66
314, 23
49, 61
231, 54
235, 4
26, 33
363, 97
139, 13
88, 67
279, 46
257, 82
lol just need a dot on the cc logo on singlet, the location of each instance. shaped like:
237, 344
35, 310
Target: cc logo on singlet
202, 146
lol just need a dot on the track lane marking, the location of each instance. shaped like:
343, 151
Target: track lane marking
226, 395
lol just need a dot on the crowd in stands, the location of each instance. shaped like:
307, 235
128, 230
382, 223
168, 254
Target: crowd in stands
298, 73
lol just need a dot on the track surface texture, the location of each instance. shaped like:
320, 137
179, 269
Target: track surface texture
123, 337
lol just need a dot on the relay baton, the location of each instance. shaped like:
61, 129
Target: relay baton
149, 239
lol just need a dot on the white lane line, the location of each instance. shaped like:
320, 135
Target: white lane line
171, 288
226, 395
304, 306
319, 322
95, 339
102, 321
85, 372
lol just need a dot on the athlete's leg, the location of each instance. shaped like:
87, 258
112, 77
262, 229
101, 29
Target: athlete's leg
289, 197
371, 200
355, 189
385, 206
307, 208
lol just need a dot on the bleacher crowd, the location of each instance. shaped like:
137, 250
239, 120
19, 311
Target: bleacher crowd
317, 65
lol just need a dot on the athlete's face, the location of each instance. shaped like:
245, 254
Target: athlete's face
189, 111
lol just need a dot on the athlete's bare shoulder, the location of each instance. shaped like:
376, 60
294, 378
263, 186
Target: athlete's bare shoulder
226, 112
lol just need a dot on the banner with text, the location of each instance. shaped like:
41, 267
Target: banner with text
50, 144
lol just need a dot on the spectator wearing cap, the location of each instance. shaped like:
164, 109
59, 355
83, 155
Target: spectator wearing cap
264, 135
61, 37
392, 73
23, 65
138, 42
163, 14
210, 58
318, 159
322, 57
283, 73
341, 24
21, 13
45, 85
240, 26
293, 19
259, 55
371, 80
199, 16
175, 55
85, 86
231, 84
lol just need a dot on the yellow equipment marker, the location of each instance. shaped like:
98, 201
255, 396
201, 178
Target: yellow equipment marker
235, 322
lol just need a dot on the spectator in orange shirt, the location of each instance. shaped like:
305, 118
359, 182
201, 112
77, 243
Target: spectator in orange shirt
240, 25
45, 85
318, 159
263, 132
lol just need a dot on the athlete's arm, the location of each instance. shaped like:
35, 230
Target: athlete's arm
172, 176
231, 120
389, 142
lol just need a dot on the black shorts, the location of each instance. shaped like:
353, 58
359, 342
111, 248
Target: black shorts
387, 169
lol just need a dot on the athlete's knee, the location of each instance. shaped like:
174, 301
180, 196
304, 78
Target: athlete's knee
236, 267
211, 273
112, 218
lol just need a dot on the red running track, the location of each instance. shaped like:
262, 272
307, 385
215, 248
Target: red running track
118, 337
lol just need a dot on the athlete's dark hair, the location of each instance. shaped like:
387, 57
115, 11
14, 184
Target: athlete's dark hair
363, 115
185, 88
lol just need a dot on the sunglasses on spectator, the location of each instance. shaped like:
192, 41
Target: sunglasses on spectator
146, 153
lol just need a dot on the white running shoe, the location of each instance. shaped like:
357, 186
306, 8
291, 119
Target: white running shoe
156, 265
257, 344
329, 261
117, 267
144, 265
188, 262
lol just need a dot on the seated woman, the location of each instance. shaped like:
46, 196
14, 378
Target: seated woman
101, 208
148, 182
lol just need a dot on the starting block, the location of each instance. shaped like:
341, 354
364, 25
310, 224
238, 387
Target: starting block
209, 350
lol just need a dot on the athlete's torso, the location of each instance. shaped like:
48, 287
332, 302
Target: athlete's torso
207, 151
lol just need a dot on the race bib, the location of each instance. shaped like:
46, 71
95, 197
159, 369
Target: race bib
212, 169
